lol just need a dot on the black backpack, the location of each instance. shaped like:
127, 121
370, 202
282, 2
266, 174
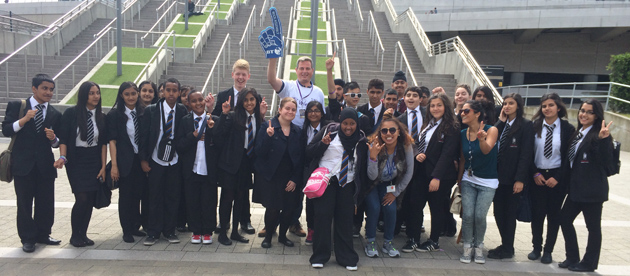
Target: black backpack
614, 165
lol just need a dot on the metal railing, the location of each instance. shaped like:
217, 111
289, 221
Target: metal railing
358, 13
403, 60
571, 92
144, 74
161, 14
247, 34
203, 34
376, 40
419, 31
264, 10
127, 8
217, 71
232, 11
158, 23
12, 24
350, 5
345, 63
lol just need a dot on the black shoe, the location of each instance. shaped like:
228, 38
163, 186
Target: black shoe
500, 253
451, 233
534, 255
88, 241
150, 241
128, 238
380, 226
138, 233
237, 237
579, 267
286, 242
566, 264
410, 246
494, 250
28, 247
223, 239
356, 231
77, 242
546, 258
181, 229
49, 241
266, 244
248, 228
428, 246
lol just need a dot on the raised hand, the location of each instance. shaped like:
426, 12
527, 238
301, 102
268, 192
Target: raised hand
50, 134
605, 131
330, 63
375, 149
225, 107
271, 37
326, 140
502, 115
263, 107
270, 130
481, 134
209, 100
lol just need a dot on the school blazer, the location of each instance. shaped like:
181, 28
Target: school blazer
566, 131
150, 128
117, 131
403, 118
271, 150
221, 98
187, 146
230, 138
513, 163
588, 180
68, 134
365, 109
441, 151
31, 148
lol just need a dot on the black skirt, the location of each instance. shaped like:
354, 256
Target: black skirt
83, 169
272, 194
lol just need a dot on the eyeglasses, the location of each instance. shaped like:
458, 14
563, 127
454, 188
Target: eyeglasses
391, 130
464, 111
589, 112
314, 111
353, 95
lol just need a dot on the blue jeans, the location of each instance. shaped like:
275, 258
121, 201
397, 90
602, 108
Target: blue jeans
373, 207
476, 200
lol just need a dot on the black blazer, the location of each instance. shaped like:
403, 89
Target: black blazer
117, 131
187, 146
271, 150
365, 109
230, 137
441, 151
332, 110
588, 179
68, 134
31, 148
365, 123
221, 98
566, 131
403, 119
150, 127
512, 164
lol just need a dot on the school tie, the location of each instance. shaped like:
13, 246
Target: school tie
136, 128
414, 126
90, 129
314, 131
39, 117
372, 115
168, 127
343, 173
197, 120
503, 140
573, 146
422, 146
250, 136
549, 140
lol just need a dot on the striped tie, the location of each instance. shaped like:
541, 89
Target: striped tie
573, 146
197, 120
343, 173
549, 140
168, 128
90, 129
39, 117
136, 134
414, 126
503, 140
250, 136
372, 115
422, 144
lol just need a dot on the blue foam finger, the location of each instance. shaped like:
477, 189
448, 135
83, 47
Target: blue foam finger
277, 25
271, 37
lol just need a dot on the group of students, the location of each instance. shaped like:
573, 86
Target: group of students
171, 147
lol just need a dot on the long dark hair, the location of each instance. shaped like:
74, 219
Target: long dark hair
598, 109
156, 93
477, 107
82, 97
120, 104
519, 111
539, 117
490, 115
240, 114
449, 121
310, 105
403, 139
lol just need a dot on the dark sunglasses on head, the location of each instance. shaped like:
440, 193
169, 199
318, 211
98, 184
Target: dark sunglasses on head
352, 95
465, 111
391, 130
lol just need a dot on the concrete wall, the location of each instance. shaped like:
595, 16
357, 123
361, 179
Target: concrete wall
448, 6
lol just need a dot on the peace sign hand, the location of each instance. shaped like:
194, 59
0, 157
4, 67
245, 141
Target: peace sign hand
375, 149
481, 134
226, 105
605, 131
270, 130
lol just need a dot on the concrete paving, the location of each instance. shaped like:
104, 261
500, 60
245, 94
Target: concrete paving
112, 256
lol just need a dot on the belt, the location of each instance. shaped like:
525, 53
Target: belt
546, 170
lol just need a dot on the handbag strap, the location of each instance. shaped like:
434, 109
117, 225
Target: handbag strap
20, 115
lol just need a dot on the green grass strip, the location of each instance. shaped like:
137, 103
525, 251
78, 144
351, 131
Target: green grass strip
305, 48
180, 29
306, 24
307, 5
107, 74
196, 18
141, 55
321, 35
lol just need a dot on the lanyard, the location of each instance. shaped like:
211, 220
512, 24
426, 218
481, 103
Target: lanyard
390, 166
300, 91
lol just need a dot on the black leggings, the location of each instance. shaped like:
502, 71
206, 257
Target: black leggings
272, 218
82, 213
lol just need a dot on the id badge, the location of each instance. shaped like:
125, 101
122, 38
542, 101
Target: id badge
391, 188
302, 112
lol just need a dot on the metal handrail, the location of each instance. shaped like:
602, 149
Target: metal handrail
247, 33
126, 6
145, 69
358, 13
220, 54
376, 40
158, 23
333, 28
13, 24
345, 62
403, 58
426, 42
262, 12
214, 14
232, 11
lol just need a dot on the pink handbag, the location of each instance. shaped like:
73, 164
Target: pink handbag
317, 183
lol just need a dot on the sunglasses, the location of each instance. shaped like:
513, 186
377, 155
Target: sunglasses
353, 95
391, 130
465, 111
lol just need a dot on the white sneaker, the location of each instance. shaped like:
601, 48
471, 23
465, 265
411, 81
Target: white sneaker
196, 239
352, 268
206, 239
479, 258
466, 256
316, 265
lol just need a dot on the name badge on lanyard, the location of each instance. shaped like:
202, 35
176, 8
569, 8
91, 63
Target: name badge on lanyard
303, 101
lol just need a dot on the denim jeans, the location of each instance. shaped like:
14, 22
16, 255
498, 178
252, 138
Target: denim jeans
476, 200
373, 207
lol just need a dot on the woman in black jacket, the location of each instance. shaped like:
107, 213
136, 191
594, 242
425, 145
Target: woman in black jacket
83, 140
123, 127
278, 170
516, 142
587, 158
552, 137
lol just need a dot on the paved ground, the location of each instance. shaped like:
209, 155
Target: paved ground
111, 256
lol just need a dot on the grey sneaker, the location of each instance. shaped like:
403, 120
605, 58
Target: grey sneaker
388, 248
370, 249
466, 256
479, 258
172, 238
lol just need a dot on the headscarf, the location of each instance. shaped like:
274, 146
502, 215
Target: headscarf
349, 142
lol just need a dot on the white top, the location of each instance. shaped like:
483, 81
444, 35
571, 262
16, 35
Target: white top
154, 156
430, 132
577, 146
506, 123
310, 132
83, 144
410, 120
131, 129
539, 147
492, 183
34, 103
302, 95
377, 111
332, 157
200, 166
253, 126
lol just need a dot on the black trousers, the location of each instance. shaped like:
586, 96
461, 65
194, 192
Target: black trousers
310, 214
182, 217
131, 189
334, 208
201, 201
42, 190
164, 194
419, 195
592, 212
505, 209
546, 202
235, 197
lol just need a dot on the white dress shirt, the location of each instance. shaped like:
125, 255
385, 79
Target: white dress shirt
377, 111
200, 166
332, 158
539, 147
410, 120
131, 128
34, 103
83, 144
310, 132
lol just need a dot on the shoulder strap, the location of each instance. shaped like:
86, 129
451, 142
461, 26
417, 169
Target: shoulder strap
20, 115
